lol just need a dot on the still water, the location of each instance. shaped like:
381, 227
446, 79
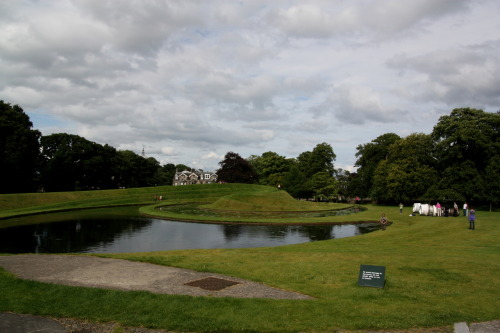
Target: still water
124, 230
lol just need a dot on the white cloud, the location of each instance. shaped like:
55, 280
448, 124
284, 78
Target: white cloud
213, 156
355, 104
468, 76
362, 22
191, 80
168, 151
307, 21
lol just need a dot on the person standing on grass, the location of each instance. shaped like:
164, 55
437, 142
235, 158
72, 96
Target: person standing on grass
465, 208
400, 208
439, 211
472, 218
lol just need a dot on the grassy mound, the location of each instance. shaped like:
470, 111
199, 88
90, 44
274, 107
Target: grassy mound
32, 203
279, 201
219, 197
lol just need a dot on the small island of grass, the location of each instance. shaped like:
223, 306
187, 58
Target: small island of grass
267, 206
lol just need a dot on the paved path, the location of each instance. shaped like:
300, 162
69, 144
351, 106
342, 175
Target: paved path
486, 327
120, 274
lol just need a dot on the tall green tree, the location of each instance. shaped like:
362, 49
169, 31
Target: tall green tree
137, 171
183, 167
407, 172
168, 173
98, 167
346, 182
235, 169
320, 159
369, 155
19, 150
270, 167
466, 143
296, 183
324, 186
71, 162
492, 181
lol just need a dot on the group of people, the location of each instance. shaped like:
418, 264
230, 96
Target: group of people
468, 212
444, 211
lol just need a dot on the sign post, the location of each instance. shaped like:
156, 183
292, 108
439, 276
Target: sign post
371, 276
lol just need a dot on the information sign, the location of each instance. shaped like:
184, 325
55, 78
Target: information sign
371, 276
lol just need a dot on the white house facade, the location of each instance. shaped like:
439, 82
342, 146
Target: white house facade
194, 177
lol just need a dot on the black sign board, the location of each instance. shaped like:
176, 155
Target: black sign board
371, 276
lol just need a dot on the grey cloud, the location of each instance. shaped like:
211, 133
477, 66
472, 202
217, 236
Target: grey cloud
313, 125
191, 76
144, 27
373, 20
172, 122
390, 17
460, 76
306, 21
44, 42
247, 113
354, 104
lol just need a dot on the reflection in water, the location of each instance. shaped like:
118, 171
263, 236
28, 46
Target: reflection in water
69, 236
124, 230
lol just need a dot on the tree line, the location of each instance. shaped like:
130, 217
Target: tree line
64, 162
458, 161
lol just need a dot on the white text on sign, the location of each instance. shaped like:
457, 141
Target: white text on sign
371, 275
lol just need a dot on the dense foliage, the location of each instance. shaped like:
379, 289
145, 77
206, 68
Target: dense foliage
458, 161
369, 156
66, 162
19, 150
235, 169
310, 175
467, 148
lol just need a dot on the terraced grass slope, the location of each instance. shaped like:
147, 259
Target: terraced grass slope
278, 201
32, 203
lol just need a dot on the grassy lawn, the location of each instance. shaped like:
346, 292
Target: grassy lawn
438, 273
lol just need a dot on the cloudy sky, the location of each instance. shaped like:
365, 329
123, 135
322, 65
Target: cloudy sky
191, 80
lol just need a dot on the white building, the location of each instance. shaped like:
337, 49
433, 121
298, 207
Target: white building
194, 177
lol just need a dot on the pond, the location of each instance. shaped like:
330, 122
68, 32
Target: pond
120, 230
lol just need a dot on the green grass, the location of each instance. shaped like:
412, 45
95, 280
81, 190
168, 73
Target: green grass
199, 212
12, 205
277, 201
438, 273
260, 205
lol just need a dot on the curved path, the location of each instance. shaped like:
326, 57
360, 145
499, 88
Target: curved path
89, 271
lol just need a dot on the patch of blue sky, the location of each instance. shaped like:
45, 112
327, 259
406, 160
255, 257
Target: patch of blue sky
43, 119
45, 122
